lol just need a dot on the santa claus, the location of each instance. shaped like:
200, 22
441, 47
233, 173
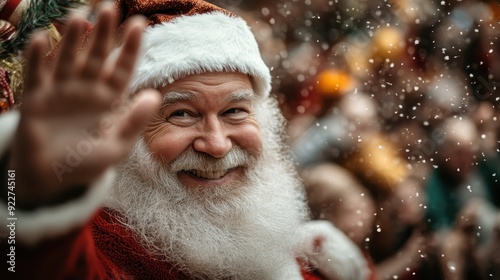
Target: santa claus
173, 167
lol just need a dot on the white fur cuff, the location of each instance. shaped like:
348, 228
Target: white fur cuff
8, 123
337, 257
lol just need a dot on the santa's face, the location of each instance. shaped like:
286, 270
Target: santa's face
206, 114
209, 186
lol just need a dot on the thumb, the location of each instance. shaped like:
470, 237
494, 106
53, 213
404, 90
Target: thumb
143, 107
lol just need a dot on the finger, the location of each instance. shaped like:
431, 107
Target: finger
142, 109
121, 69
101, 43
65, 63
34, 55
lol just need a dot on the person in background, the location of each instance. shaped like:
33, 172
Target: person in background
459, 204
336, 196
402, 244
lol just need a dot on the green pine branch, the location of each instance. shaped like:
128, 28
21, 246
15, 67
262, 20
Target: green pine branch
40, 14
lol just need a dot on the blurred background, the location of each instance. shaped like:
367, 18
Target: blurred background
392, 109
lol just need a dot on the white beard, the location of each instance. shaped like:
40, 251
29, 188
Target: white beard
246, 231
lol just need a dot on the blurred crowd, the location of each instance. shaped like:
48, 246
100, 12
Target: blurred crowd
392, 109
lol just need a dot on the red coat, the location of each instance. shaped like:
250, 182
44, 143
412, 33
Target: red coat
103, 249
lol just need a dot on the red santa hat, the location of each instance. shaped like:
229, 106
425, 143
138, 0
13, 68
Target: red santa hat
193, 37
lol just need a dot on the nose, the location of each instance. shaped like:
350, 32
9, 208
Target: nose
213, 139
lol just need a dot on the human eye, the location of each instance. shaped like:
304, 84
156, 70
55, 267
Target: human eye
236, 113
179, 114
181, 117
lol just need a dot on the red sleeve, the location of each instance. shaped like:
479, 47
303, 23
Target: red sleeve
72, 256
310, 275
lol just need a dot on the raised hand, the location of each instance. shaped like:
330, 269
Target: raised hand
75, 118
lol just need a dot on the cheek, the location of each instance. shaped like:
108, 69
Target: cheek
166, 144
249, 139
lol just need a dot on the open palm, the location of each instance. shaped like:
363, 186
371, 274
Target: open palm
76, 120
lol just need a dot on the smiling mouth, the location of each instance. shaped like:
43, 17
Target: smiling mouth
208, 175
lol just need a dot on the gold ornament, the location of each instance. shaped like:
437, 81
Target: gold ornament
14, 65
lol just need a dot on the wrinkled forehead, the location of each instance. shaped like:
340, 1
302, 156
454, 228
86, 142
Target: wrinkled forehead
173, 97
230, 86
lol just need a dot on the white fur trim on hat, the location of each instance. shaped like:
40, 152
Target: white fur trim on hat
211, 42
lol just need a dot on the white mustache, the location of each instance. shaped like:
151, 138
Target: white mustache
191, 160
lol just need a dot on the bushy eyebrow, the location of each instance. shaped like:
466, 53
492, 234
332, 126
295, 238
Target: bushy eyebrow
173, 97
242, 95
